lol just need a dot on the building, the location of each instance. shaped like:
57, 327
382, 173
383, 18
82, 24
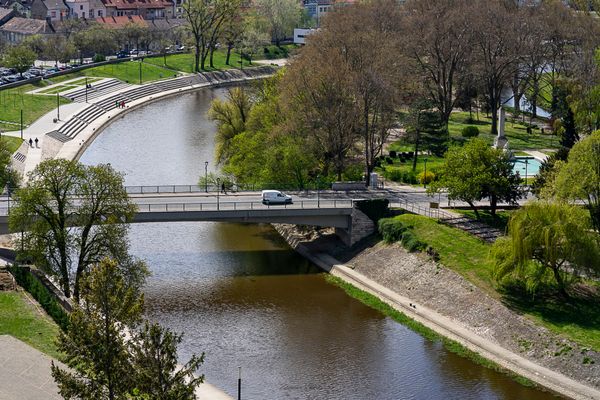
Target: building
300, 35
316, 9
147, 9
6, 14
17, 29
22, 8
86, 9
54, 10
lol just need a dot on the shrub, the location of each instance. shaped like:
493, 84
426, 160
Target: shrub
98, 58
411, 242
389, 160
393, 154
470, 131
375, 209
430, 177
409, 177
391, 229
393, 174
30, 283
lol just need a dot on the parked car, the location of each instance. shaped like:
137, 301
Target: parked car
275, 197
181, 48
122, 54
133, 52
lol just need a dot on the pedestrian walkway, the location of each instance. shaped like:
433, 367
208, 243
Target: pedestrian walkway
25, 372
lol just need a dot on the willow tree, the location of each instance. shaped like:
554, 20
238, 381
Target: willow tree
547, 240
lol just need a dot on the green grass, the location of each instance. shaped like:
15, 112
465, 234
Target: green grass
450, 345
577, 318
57, 89
20, 319
185, 62
12, 143
12, 101
518, 138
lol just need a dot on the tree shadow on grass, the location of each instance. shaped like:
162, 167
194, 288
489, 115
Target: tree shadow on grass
582, 308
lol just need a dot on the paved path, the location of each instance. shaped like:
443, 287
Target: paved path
25, 374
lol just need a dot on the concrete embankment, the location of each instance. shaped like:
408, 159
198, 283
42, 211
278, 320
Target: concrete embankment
448, 326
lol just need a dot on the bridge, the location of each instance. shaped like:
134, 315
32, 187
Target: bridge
191, 203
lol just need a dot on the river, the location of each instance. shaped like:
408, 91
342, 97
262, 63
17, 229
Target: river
239, 294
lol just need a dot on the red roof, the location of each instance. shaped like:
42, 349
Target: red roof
137, 4
119, 22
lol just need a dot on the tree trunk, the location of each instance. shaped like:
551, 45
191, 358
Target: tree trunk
229, 47
212, 51
493, 204
415, 156
470, 203
494, 119
559, 280
197, 58
533, 100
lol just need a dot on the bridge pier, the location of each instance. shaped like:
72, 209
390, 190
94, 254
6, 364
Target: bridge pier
359, 227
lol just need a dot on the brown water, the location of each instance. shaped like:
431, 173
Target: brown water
242, 296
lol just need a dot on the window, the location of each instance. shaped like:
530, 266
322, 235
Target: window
81, 6
100, 13
53, 14
83, 14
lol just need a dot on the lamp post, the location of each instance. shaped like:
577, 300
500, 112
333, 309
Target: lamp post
425, 174
141, 60
206, 176
239, 383
57, 107
21, 124
526, 163
241, 60
318, 191
86, 89
218, 191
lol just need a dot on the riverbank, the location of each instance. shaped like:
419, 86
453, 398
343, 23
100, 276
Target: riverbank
453, 308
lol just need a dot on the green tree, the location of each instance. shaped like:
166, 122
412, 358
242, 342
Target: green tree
547, 240
64, 234
477, 171
283, 17
8, 176
230, 115
95, 344
20, 58
154, 356
578, 180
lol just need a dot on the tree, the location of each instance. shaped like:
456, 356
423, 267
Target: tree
497, 50
94, 40
231, 116
154, 360
283, 17
59, 49
20, 58
578, 180
95, 343
9, 178
437, 41
547, 238
477, 171
72, 216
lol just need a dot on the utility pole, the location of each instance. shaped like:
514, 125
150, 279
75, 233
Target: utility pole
86, 89
57, 107
21, 124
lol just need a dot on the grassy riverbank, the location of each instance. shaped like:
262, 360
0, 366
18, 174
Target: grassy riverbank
451, 345
26, 321
576, 318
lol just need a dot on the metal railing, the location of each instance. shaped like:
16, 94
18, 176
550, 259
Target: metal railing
246, 205
421, 209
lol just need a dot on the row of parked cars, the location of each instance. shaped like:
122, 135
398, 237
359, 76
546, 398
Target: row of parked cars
142, 53
8, 75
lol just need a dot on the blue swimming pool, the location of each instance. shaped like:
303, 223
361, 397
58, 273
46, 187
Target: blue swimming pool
526, 166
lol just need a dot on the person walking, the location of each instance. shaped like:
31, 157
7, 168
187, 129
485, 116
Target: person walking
30, 142
36, 143
223, 188
117, 105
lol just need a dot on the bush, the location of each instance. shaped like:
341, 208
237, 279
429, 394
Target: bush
430, 177
411, 242
30, 283
393, 154
389, 160
391, 230
98, 58
375, 209
470, 131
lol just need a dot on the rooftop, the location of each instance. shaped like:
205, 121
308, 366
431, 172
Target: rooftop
26, 26
137, 4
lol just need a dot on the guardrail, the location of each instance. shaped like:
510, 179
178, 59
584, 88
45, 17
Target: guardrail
417, 208
246, 205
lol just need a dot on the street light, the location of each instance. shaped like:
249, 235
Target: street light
318, 191
86, 89
141, 60
425, 174
526, 163
239, 383
57, 107
206, 176
218, 191
21, 124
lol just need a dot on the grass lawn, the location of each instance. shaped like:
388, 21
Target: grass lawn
185, 62
577, 318
12, 101
20, 319
57, 89
12, 143
518, 138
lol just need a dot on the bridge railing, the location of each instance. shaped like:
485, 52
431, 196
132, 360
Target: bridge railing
245, 205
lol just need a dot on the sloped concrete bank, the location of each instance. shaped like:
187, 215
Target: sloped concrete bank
454, 308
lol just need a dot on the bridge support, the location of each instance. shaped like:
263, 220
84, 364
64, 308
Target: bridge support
359, 227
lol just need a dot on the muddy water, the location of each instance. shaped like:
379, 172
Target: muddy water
242, 296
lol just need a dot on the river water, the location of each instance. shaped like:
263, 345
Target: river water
239, 293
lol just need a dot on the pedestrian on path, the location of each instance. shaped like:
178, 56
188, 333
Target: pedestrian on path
116, 103
123, 104
30, 142
36, 143
223, 188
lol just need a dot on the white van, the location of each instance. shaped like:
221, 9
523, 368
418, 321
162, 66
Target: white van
275, 197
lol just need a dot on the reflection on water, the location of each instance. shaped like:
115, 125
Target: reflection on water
243, 297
